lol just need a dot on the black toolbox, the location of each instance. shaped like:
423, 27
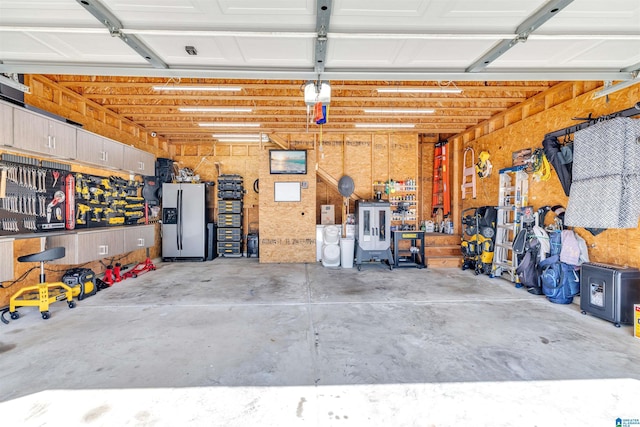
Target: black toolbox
609, 291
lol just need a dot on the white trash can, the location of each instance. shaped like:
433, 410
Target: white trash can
347, 251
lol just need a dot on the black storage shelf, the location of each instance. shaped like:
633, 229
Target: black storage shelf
230, 219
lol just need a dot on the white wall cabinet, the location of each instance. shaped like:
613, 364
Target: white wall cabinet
88, 246
139, 237
139, 161
98, 150
26, 131
6, 124
91, 245
35, 133
6, 260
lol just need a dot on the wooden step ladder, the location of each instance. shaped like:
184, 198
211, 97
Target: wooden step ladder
441, 197
513, 196
468, 174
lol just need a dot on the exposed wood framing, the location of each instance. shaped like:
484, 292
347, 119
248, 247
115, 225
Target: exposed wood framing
58, 99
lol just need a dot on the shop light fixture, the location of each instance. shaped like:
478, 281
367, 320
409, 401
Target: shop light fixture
385, 125
239, 135
215, 109
398, 111
230, 125
198, 88
250, 140
419, 90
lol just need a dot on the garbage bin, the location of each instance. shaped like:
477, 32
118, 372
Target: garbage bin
347, 251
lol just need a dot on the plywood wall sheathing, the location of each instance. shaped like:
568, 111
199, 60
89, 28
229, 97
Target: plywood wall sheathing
288, 229
621, 247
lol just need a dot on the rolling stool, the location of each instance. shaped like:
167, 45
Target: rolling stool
43, 288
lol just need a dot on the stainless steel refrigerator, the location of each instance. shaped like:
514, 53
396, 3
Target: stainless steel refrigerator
184, 221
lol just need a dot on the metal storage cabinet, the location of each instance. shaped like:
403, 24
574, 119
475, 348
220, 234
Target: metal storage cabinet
373, 232
609, 291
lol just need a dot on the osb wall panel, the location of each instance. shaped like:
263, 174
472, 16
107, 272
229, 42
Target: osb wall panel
404, 156
380, 167
328, 195
287, 229
330, 154
357, 163
612, 246
227, 159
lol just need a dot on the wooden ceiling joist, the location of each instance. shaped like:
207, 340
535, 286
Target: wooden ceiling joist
279, 105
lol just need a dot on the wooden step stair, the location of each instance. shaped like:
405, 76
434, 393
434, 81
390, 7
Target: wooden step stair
442, 250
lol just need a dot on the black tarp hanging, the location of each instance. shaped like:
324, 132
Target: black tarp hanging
560, 157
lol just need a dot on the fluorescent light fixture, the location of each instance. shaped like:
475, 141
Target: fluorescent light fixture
238, 135
609, 88
241, 137
253, 140
230, 125
398, 111
215, 109
199, 88
14, 84
385, 125
419, 90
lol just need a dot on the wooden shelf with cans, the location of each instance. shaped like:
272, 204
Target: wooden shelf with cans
403, 196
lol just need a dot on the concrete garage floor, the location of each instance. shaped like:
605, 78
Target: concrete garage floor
232, 342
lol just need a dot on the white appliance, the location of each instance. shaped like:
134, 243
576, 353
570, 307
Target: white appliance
320, 238
331, 246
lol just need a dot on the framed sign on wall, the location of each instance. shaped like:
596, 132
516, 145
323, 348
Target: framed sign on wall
286, 191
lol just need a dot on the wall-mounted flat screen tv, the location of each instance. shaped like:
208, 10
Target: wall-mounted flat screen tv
288, 162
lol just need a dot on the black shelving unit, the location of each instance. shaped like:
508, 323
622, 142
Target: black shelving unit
230, 196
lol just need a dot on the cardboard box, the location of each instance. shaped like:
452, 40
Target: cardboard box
327, 214
636, 321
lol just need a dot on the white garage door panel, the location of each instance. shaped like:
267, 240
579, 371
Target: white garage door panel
215, 15
445, 53
233, 51
283, 52
362, 53
596, 16
468, 16
75, 47
221, 50
45, 12
570, 53
275, 7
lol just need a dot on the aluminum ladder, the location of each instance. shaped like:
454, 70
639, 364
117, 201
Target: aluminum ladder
468, 172
513, 196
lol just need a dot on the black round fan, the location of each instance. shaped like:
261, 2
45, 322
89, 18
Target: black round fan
346, 186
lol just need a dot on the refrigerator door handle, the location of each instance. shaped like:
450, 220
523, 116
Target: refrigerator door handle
179, 221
